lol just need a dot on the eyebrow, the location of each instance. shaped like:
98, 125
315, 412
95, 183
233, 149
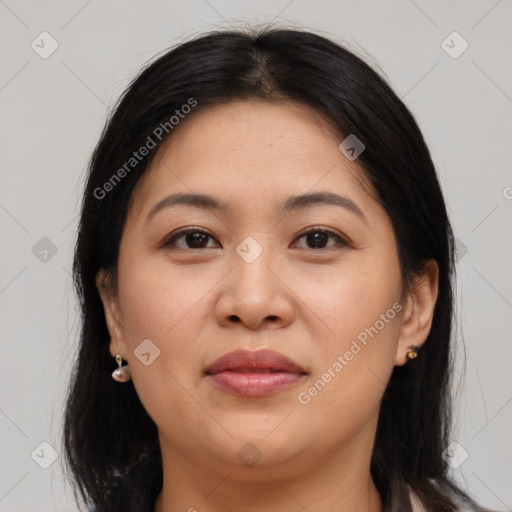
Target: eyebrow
293, 203
302, 201
184, 198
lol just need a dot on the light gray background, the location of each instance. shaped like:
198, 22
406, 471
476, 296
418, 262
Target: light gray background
53, 111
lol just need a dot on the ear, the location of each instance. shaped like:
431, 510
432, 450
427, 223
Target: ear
111, 308
419, 311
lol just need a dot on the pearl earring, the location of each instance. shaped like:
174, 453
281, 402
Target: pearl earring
122, 373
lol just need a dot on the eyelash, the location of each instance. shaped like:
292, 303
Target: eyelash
340, 242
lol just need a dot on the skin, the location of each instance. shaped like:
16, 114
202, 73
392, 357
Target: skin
307, 303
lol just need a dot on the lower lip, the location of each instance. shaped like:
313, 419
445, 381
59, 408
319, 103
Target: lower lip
254, 384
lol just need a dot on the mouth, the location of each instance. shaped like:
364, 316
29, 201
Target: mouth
254, 373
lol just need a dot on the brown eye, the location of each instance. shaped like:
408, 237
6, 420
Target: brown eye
190, 239
320, 239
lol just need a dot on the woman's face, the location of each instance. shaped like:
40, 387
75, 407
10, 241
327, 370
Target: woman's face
248, 276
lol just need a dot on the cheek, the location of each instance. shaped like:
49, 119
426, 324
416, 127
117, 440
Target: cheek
167, 307
157, 299
351, 297
352, 369
359, 305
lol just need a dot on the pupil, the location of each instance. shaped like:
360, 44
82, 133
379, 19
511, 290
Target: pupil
196, 239
317, 239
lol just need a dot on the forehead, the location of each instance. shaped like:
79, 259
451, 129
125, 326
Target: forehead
251, 147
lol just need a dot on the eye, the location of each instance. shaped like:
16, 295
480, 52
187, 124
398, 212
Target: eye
318, 238
190, 238
196, 238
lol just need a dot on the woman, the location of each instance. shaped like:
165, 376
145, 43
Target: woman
264, 241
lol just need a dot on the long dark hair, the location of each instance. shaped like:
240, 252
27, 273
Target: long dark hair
111, 443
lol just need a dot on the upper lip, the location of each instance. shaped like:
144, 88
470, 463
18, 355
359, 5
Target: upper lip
254, 360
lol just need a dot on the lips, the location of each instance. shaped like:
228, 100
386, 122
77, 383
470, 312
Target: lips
254, 373
260, 361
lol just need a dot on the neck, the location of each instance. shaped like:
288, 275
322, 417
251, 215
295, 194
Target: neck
339, 481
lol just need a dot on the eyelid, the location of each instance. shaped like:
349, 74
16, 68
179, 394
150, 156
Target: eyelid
342, 240
183, 231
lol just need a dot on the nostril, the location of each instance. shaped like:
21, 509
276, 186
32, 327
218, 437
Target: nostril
234, 318
273, 318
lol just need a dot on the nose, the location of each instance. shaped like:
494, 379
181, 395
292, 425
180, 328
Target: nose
255, 295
